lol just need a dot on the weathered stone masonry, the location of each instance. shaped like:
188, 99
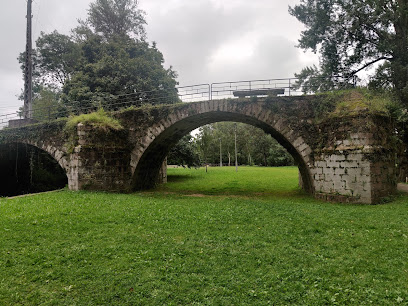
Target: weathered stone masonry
346, 159
357, 160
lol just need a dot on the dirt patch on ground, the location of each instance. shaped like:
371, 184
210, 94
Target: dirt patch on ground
196, 195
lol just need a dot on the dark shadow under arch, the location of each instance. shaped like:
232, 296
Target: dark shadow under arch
148, 167
27, 169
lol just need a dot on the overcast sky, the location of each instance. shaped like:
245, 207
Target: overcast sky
205, 41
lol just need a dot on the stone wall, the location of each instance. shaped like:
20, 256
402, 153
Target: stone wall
357, 161
100, 161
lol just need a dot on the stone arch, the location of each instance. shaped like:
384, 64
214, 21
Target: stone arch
148, 155
58, 157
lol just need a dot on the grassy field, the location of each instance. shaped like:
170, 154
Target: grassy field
221, 238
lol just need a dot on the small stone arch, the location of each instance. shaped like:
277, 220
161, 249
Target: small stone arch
148, 155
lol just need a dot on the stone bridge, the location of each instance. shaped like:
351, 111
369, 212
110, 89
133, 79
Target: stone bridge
345, 159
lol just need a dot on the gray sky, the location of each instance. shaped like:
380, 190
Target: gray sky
205, 41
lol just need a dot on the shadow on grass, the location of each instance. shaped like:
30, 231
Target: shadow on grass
180, 178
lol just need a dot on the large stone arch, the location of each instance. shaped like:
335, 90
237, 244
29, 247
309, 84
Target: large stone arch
14, 147
148, 155
57, 154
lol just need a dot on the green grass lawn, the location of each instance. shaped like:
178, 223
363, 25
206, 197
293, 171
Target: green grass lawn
219, 238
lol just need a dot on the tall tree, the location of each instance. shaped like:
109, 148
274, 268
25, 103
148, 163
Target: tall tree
113, 18
106, 57
58, 56
353, 35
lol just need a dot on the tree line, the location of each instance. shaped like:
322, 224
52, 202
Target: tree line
215, 143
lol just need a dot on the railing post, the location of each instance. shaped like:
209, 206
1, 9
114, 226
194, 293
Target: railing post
211, 89
289, 86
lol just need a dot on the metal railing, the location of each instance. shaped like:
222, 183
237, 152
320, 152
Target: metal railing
193, 93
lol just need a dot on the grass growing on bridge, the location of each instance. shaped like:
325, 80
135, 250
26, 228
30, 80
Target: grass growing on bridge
100, 119
206, 238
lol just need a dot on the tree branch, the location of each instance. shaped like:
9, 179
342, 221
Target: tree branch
370, 63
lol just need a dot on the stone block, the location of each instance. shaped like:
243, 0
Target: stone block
355, 157
320, 164
319, 177
328, 176
303, 147
265, 116
354, 172
349, 164
337, 157
317, 170
339, 171
328, 187
328, 171
298, 142
339, 185
333, 164
279, 126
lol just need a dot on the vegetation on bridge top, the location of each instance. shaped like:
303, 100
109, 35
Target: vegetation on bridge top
353, 102
99, 119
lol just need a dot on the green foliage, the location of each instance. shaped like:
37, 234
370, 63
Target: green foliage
254, 147
168, 247
116, 18
118, 67
352, 102
45, 104
57, 58
105, 59
352, 36
99, 119
185, 153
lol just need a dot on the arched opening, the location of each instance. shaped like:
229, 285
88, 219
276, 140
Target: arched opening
148, 167
27, 169
214, 145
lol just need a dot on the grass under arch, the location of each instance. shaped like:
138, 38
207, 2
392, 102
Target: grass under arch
246, 238
254, 181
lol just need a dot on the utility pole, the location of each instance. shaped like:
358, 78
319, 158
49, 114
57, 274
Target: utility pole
28, 78
236, 155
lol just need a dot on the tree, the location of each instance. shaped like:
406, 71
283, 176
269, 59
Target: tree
58, 56
113, 18
44, 104
185, 153
121, 67
105, 60
254, 146
352, 36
